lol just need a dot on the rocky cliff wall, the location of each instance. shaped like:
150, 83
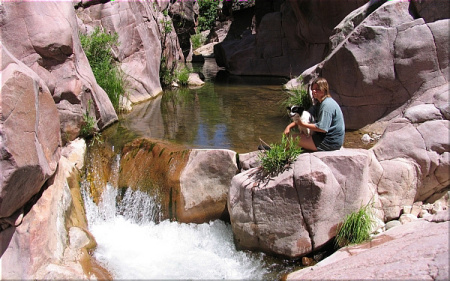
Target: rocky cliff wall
291, 36
48, 87
145, 35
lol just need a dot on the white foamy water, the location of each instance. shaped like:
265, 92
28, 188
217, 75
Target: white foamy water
132, 246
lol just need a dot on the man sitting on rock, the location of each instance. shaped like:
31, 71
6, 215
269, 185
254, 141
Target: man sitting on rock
329, 126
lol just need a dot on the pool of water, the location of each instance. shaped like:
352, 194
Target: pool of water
229, 112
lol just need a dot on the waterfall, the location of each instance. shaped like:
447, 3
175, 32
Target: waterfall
133, 245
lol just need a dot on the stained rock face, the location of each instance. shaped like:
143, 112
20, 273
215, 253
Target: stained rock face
192, 185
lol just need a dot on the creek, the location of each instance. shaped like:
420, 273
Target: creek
133, 243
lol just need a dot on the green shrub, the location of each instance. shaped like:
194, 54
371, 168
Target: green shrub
356, 227
183, 75
88, 126
279, 156
166, 75
197, 40
299, 96
166, 23
207, 14
97, 47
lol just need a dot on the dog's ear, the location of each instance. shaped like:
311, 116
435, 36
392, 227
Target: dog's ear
288, 107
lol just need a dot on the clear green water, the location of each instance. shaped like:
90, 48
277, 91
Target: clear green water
228, 112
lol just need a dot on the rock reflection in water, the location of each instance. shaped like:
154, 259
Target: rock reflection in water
228, 112
218, 115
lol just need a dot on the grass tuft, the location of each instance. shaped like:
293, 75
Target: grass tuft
197, 40
280, 156
356, 227
183, 75
298, 96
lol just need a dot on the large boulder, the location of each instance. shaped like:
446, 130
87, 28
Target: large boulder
299, 210
204, 184
395, 254
380, 65
145, 37
53, 241
191, 185
30, 139
291, 36
44, 36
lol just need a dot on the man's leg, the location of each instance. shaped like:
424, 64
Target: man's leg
305, 142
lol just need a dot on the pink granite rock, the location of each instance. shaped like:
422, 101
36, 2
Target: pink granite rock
414, 251
30, 139
44, 36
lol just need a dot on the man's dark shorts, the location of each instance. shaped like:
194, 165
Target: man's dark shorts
318, 141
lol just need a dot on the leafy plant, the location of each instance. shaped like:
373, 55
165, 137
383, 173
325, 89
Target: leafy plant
197, 40
276, 159
207, 14
89, 123
166, 23
183, 75
98, 49
298, 96
166, 75
166, 69
356, 227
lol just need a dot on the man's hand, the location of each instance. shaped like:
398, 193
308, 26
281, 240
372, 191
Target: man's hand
287, 130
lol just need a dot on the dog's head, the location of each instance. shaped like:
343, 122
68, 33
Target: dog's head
295, 109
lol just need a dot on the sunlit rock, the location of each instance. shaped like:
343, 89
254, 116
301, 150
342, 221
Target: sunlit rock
44, 36
60, 249
388, 66
195, 80
298, 211
411, 251
30, 139
204, 184
191, 185
145, 37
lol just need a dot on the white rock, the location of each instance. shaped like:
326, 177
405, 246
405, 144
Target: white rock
405, 218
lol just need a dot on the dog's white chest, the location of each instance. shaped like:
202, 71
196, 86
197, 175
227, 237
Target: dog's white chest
305, 117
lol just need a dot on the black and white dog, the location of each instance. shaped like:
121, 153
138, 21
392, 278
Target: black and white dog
299, 113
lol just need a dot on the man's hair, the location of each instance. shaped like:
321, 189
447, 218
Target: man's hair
323, 85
